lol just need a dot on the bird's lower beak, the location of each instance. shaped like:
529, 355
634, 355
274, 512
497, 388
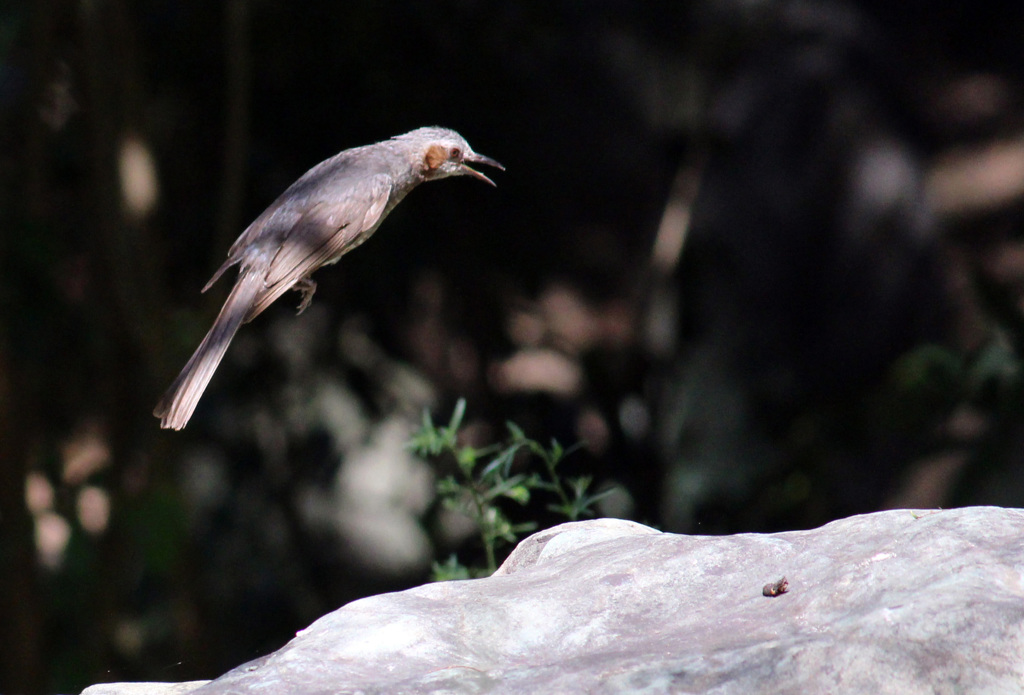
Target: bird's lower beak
480, 159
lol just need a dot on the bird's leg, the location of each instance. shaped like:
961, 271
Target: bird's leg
307, 286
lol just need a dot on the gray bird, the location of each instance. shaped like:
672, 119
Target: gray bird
333, 208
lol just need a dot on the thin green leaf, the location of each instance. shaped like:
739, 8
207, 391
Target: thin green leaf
556, 452
517, 432
502, 462
519, 493
460, 410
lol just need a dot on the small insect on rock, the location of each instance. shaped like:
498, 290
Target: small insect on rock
774, 589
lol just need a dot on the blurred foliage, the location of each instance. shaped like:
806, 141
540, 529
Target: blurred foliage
763, 259
485, 478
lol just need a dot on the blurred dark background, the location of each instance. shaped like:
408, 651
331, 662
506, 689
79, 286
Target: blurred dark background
764, 258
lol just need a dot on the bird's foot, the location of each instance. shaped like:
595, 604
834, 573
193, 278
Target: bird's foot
307, 287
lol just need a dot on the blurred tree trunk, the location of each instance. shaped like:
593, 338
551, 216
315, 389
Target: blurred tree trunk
21, 628
127, 305
23, 617
237, 85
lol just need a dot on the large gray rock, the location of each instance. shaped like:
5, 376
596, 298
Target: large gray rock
894, 602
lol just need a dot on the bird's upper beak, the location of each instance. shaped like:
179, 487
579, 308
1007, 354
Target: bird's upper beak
479, 159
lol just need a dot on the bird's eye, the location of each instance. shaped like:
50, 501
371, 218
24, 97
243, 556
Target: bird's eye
455, 153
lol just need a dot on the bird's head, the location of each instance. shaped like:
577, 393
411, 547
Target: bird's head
443, 153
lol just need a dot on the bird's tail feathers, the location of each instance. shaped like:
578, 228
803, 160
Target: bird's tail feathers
180, 400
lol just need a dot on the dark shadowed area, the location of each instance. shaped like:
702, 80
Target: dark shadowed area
765, 260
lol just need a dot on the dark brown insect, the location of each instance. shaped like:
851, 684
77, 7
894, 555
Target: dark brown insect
776, 588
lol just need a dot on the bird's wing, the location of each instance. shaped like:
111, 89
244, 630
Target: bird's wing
324, 233
252, 233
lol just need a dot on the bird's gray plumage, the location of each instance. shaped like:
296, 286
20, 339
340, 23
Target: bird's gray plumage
330, 210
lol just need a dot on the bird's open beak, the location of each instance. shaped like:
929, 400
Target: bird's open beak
480, 159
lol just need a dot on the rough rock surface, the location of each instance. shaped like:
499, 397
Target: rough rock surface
893, 602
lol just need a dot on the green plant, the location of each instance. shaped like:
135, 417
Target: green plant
486, 480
